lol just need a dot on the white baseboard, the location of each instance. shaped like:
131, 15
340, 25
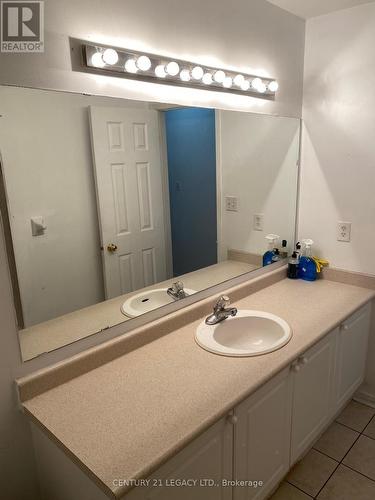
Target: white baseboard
365, 397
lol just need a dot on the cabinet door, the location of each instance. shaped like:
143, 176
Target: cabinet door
207, 460
262, 437
351, 354
313, 382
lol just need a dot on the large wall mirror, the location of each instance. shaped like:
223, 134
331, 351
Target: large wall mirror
118, 207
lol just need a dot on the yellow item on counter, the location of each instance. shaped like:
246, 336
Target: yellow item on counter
320, 263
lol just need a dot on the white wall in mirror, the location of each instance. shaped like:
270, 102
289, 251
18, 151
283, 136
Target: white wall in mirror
53, 171
259, 166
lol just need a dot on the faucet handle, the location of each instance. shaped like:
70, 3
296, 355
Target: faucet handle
178, 286
222, 303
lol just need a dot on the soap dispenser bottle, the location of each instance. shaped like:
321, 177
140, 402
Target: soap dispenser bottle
267, 257
293, 265
284, 251
307, 266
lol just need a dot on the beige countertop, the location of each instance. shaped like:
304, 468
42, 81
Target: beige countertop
125, 418
57, 332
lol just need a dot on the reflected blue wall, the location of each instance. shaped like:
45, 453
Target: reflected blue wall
192, 187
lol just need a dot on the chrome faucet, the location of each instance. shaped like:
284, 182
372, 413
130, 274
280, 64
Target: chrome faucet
221, 311
176, 291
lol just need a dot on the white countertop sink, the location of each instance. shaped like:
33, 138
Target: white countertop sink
249, 333
148, 300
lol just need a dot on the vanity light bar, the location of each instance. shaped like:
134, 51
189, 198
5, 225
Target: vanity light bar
149, 67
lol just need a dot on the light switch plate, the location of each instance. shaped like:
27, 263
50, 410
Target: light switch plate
258, 222
344, 230
38, 226
231, 204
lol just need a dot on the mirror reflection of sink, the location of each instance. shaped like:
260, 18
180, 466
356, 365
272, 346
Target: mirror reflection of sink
249, 333
148, 301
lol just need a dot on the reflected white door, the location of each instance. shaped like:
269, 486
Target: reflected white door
129, 183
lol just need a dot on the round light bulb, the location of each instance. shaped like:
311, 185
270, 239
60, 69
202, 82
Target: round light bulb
160, 71
256, 83
172, 68
197, 73
262, 88
110, 56
227, 83
245, 85
207, 79
273, 86
97, 60
130, 66
219, 76
238, 80
185, 75
143, 63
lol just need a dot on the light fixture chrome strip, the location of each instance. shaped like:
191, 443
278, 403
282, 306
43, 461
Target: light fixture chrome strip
137, 65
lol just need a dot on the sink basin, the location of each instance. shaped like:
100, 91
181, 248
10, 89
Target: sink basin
249, 333
148, 301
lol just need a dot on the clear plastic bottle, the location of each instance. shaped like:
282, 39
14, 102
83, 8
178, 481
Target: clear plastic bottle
284, 251
307, 267
267, 257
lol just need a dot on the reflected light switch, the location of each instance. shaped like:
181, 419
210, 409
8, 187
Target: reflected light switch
231, 204
38, 227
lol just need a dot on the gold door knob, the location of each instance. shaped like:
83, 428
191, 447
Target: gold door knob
112, 248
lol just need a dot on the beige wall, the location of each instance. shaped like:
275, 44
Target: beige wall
245, 35
338, 154
17, 470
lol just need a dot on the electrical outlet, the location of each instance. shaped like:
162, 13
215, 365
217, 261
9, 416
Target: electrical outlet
231, 204
344, 230
258, 222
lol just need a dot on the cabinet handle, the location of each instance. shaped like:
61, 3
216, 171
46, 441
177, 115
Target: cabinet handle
303, 360
296, 367
232, 419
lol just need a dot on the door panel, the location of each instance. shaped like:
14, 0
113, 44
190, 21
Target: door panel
128, 173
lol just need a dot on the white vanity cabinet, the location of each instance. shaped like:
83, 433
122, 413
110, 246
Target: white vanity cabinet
313, 385
325, 378
257, 442
204, 463
351, 354
262, 437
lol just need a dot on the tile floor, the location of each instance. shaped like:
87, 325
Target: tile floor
340, 465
